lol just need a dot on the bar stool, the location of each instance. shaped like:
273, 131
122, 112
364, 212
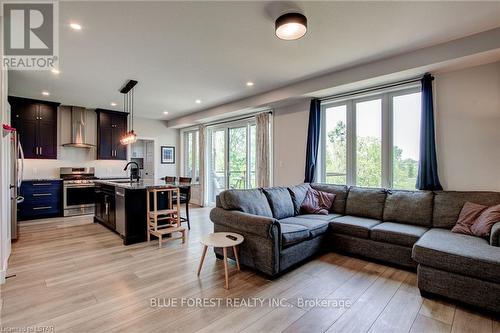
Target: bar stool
185, 192
171, 215
169, 179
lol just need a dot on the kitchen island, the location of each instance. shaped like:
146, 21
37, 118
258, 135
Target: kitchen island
121, 206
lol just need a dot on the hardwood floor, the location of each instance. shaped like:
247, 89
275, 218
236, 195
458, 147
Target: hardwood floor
72, 275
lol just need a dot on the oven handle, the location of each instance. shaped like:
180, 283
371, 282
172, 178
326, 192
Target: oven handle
78, 185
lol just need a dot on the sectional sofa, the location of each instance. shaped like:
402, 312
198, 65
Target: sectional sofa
406, 228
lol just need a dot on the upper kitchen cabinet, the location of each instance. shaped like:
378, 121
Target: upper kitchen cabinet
111, 127
36, 124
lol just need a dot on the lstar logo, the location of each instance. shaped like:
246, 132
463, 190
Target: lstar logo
30, 35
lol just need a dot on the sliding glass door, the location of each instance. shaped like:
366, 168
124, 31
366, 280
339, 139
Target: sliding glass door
238, 157
230, 158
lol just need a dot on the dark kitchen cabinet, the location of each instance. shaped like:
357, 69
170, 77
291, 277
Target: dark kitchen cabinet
105, 205
111, 127
36, 123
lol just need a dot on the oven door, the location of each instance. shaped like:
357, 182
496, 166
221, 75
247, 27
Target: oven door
79, 196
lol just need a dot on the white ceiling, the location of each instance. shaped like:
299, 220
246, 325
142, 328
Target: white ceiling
183, 51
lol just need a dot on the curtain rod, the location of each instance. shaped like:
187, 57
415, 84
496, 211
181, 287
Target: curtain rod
375, 88
234, 119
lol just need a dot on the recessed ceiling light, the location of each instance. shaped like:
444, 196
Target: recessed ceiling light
45, 93
291, 26
75, 26
249, 84
198, 101
165, 112
55, 71
113, 104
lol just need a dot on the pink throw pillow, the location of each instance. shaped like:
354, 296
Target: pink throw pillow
468, 216
317, 202
484, 223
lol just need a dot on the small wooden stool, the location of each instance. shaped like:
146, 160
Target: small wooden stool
219, 239
171, 215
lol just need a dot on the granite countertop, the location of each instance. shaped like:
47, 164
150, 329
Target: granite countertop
141, 185
41, 179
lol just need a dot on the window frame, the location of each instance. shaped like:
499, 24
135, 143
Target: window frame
387, 135
194, 154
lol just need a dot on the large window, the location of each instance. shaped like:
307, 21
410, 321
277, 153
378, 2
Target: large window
231, 159
192, 155
372, 141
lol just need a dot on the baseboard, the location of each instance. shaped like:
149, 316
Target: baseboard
3, 274
3, 271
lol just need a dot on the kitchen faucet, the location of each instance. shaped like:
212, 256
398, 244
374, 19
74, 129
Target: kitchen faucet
134, 172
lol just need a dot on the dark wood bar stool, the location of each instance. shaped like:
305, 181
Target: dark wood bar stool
169, 179
185, 196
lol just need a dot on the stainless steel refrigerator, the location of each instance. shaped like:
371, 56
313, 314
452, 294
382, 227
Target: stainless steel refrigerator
17, 166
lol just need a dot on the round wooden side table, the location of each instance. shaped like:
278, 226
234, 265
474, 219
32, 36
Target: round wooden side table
220, 239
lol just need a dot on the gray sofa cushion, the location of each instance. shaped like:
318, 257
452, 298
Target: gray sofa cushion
366, 202
248, 201
316, 227
354, 226
298, 194
448, 204
280, 202
293, 233
326, 218
340, 192
397, 233
410, 207
457, 253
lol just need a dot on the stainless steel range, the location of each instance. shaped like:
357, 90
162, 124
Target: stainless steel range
78, 191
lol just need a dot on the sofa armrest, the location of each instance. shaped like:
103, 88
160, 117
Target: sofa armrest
495, 235
247, 223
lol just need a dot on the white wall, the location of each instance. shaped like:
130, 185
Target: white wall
289, 143
467, 131
69, 157
468, 128
158, 131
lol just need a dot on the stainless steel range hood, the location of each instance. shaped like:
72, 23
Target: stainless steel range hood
78, 126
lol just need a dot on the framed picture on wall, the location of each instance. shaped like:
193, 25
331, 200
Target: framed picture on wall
167, 155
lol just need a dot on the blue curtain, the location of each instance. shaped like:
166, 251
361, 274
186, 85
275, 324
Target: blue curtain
427, 169
313, 140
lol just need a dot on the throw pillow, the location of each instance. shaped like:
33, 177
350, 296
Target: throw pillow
317, 202
484, 223
468, 216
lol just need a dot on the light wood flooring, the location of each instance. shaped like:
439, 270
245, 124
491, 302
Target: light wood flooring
76, 276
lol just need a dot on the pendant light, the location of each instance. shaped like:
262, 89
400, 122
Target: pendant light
128, 105
291, 26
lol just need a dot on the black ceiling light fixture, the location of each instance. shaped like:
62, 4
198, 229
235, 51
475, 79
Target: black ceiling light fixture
291, 26
128, 105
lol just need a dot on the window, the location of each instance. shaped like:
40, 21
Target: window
369, 143
231, 162
336, 145
192, 155
406, 140
372, 141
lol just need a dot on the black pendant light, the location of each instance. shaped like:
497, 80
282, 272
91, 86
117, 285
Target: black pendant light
128, 105
291, 26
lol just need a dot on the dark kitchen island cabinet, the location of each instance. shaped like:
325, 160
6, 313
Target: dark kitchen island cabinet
122, 210
111, 127
36, 124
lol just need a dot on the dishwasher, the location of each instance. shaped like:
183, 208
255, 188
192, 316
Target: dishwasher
120, 210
